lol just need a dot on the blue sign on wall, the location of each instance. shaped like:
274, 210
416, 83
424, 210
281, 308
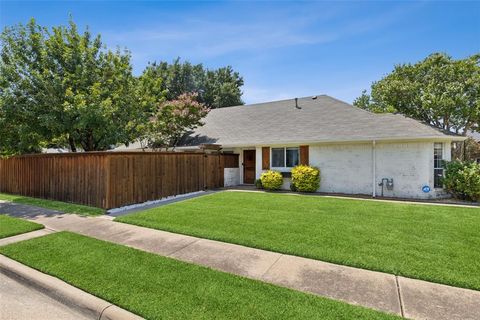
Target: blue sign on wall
426, 189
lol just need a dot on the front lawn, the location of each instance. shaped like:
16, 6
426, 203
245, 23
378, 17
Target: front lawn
433, 243
156, 287
12, 226
53, 205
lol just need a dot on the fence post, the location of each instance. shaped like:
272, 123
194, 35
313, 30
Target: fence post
108, 181
205, 171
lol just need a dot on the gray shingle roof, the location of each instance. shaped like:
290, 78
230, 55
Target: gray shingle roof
316, 120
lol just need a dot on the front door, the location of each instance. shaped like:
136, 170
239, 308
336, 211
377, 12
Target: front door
249, 166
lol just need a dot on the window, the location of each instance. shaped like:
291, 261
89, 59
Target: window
285, 157
292, 157
278, 157
438, 165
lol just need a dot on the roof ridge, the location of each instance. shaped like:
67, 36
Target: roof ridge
274, 101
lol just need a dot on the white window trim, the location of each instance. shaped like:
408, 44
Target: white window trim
282, 169
434, 168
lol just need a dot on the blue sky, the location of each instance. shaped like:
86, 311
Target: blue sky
282, 49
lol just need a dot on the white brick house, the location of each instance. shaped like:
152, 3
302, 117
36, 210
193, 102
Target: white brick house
353, 148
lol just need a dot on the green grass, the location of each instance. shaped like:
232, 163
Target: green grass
54, 205
156, 287
434, 243
12, 226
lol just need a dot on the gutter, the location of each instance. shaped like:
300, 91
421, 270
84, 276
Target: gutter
346, 141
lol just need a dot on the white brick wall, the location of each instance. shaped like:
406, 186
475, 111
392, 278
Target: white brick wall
347, 168
231, 177
344, 168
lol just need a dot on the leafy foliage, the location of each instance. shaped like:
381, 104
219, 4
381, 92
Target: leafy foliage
439, 90
61, 87
305, 178
258, 184
271, 180
462, 179
215, 88
173, 119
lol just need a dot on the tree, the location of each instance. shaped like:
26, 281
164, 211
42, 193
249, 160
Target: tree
222, 88
173, 119
468, 150
61, 87
439, 90
214, 88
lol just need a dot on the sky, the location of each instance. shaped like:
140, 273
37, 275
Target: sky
282, 49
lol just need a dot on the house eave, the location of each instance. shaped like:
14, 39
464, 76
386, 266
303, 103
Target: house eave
346, 141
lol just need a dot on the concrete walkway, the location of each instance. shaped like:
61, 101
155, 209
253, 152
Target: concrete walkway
407, 297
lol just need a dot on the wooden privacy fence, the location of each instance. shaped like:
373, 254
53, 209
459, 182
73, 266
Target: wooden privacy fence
112, 179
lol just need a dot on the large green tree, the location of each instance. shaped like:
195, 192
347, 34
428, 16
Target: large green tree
61, 87
167, 81
439, 90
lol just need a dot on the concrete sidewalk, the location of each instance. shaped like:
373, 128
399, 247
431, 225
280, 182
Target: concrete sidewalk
407, 297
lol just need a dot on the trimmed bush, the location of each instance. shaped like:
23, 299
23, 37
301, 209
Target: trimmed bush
462, 180
258, 184
305, 178
271, 180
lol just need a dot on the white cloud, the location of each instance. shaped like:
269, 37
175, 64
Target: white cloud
216, 33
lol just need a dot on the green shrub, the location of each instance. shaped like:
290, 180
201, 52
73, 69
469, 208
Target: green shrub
271, 180
305, 178
462, 180
258, 184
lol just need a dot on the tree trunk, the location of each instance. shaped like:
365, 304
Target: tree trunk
88, 143
71, 142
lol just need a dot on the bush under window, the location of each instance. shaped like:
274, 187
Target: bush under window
305, 178
271, 180
462, 180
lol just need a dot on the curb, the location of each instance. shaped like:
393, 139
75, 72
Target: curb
61, 291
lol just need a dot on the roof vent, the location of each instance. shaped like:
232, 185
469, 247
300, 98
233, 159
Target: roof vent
314, 97
296, 104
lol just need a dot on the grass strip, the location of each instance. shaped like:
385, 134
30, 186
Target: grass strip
156, 287
53, 205
12, 226
433, 243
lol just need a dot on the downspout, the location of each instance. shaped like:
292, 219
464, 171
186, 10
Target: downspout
374, 173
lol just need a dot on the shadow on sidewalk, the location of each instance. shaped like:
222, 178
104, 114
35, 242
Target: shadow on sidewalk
19, 210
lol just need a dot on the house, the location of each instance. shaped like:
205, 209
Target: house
358, 152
